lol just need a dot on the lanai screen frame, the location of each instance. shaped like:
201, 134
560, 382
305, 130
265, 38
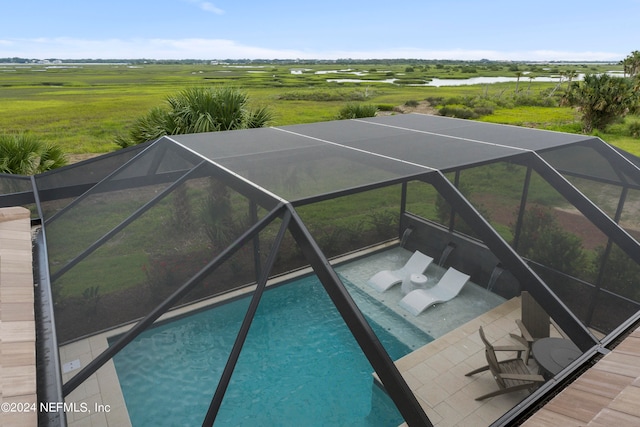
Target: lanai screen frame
435, 177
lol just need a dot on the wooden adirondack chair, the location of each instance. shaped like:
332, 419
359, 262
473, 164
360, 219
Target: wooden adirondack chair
534, 324
510, 375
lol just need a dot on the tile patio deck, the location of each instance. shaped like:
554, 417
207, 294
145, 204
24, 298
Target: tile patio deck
436, 372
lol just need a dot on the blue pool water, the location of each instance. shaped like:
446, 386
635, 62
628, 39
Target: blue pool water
300, 364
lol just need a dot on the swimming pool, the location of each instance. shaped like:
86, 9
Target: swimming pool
300, 364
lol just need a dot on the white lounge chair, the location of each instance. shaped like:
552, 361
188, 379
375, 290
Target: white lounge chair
449, 286
385, 279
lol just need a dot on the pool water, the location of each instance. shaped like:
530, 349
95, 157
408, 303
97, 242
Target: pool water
300, 365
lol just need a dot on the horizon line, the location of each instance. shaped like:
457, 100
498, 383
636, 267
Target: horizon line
307, 59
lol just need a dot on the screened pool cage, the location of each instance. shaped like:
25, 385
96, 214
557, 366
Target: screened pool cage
134, 234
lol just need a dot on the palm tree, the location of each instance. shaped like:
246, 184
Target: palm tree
518, 75
531, 78
602, 100
631, 64
196, 110
570, 75
557, 85
24, 154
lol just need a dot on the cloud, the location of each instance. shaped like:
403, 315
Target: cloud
207, 6
188, 48
202, 48
210, 7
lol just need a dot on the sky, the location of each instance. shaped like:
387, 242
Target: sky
541, 30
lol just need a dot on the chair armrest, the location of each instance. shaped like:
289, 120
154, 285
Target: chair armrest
514, 347
521, 340
523, 377
523, 330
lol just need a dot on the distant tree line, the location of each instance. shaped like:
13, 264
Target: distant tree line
513, 66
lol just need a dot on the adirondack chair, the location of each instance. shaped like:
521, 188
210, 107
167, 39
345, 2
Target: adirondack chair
510, 375
534, 324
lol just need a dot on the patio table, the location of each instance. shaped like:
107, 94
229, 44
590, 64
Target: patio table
416, 281
554, 354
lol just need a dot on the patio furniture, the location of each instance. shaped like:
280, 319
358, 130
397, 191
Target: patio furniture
510, 374
534, 324
554, 354
447, 288
414, 281
385, 279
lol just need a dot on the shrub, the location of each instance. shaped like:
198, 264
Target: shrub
452, 100
543, 240
195, 110
534, 101
411, 103
458, 112
409, 81
26, 155
602, 100
435, 100
385, 222
357, 111
483, 111
323, 96
385, 107
339, 239
634, 129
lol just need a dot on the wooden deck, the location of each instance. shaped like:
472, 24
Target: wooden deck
608, 394
17, 324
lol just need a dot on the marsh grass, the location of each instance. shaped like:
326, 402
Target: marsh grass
544, 117
82, 109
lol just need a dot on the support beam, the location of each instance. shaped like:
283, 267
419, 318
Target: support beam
389, 375
531, 282
225, 378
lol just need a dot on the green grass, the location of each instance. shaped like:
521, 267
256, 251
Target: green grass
82, 109
112, 273
532, 116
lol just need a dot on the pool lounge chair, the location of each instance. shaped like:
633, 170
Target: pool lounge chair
385, 279
449, 286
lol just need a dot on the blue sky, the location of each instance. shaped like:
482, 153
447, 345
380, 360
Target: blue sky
327, 29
